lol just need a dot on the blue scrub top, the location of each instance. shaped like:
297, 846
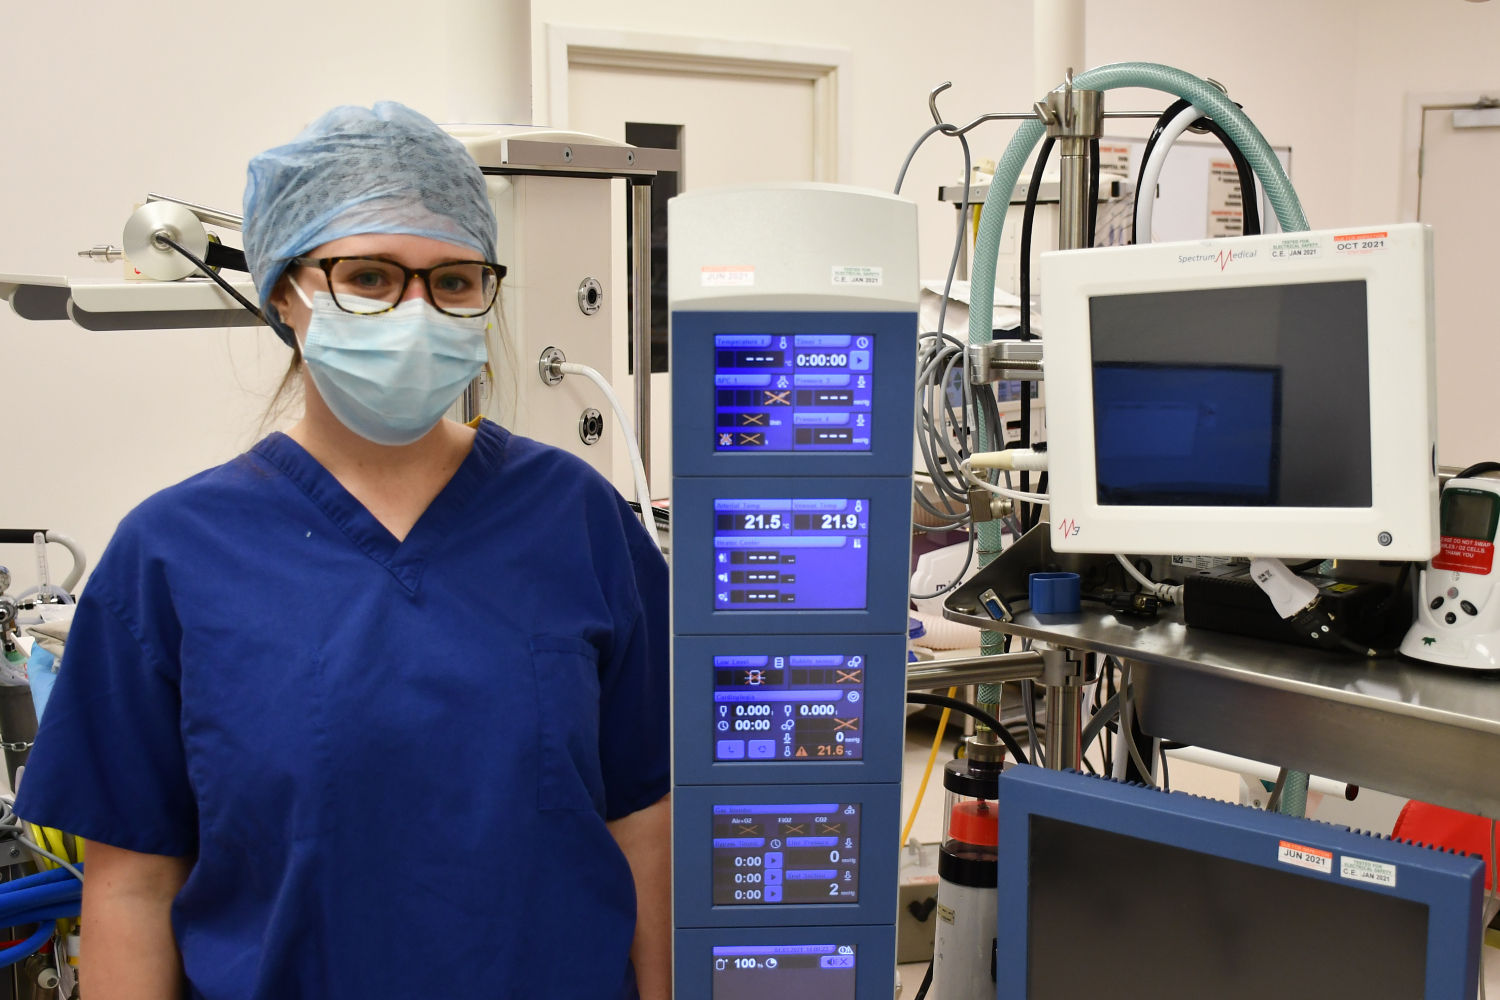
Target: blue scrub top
394, 761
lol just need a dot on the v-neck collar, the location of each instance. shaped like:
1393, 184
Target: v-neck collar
405, 559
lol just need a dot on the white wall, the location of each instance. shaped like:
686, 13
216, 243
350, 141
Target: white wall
106, 101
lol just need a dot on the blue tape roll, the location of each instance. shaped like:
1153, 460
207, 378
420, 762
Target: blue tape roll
1053, 593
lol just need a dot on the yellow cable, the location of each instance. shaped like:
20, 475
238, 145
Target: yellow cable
931, 759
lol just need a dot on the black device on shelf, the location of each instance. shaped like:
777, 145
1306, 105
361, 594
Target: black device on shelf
1226, 599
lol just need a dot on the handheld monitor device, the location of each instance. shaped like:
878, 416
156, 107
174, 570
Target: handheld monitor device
1097, 876
1458, 612
1260, 395
794, 330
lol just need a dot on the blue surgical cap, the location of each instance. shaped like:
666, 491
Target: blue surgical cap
386, 169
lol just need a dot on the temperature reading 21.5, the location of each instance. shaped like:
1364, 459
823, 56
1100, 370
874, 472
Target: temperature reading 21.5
761, 522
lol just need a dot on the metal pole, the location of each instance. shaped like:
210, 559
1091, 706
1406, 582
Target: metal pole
964, 671
1074, 119
640, 315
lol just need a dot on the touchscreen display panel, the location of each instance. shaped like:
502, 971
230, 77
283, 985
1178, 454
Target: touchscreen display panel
784, 554
789, 708
784, 972
801, 853
793, 392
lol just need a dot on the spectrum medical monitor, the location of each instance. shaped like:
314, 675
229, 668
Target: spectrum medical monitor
1266, 395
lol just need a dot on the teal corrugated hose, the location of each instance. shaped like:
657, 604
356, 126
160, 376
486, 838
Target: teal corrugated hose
1246, 136
1294, 794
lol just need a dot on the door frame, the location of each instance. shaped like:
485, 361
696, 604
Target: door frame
571, 45
1417, 106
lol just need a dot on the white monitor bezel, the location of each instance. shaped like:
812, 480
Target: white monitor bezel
1396, 267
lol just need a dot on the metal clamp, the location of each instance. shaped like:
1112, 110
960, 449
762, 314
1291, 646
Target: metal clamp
1066, 667
1073, 114
1005, 361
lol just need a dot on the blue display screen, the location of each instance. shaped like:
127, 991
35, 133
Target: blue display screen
792, 392
786, 854
784, 972
789, 708
791, 554
1187, 435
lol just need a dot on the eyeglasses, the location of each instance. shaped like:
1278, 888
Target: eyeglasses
369, 286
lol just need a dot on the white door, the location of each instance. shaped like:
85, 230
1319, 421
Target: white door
1459, 199
736, 129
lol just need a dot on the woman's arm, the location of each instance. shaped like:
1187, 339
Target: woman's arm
645, 837
130, 952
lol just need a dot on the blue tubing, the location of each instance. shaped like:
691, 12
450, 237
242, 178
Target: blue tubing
38, 895
41, 878
30, 946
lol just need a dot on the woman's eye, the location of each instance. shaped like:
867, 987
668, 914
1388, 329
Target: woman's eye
369, 279
451, 283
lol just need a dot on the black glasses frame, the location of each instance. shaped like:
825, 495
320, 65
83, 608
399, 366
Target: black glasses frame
326, 265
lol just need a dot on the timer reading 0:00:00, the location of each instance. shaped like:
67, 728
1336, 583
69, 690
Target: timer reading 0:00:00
822, 360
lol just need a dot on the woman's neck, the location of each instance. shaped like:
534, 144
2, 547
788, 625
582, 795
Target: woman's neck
395, 483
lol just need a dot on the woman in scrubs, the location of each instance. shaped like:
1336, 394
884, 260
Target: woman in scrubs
379, 708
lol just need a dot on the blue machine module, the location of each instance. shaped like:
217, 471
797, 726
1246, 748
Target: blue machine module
794, 344
1094, 874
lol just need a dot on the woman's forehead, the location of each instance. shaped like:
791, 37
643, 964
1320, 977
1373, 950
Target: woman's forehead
413, 251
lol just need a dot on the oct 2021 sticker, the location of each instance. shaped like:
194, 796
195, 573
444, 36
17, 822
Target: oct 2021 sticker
1359, 243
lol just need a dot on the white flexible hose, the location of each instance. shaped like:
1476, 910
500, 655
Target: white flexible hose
1004, 491
1170, 593
642, 491
1152, 173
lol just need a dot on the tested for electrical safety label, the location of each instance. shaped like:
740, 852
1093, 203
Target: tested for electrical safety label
1296, 246
728, 276
1368, 871
1305, 857
858, 276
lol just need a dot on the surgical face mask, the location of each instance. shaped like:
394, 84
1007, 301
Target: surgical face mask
390, 377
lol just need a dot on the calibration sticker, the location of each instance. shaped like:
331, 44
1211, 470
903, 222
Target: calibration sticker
1305, 857
1368, 871
728, 276
1359, 243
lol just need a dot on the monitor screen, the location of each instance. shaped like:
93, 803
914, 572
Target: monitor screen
784, 972
1469, 514
1255, 396
801, 853
809, 554
1102, 903
793, 392
789, 708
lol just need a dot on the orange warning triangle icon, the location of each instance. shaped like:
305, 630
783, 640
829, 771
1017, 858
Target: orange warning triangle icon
802, 751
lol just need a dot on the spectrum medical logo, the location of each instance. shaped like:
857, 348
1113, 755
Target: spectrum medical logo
1223, 258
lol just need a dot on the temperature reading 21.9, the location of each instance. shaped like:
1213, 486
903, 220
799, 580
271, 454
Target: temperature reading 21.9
826, 522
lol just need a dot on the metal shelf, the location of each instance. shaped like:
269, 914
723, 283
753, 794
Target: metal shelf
1400, 726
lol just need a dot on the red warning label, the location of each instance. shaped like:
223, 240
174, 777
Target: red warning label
1465, 555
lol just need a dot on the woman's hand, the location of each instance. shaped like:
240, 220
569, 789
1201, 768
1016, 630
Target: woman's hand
130, 952
645, 838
